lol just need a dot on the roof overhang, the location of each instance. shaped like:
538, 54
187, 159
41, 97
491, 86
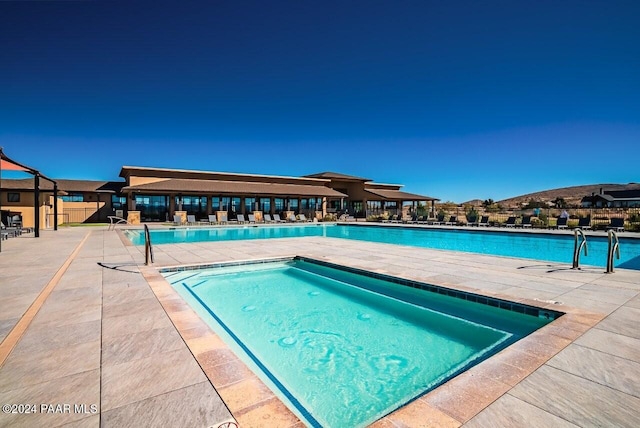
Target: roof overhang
397, 195
221, 187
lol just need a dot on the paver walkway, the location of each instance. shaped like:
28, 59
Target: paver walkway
101, 351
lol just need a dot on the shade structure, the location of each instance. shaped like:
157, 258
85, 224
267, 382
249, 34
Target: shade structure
9, 164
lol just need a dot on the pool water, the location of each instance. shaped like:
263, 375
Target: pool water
536, 246
343, 349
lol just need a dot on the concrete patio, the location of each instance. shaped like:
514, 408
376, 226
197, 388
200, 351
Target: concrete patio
83, 323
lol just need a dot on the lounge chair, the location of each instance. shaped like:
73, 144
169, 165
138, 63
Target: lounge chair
252, 218
526, 222
191, 219
177, 220
617, 224
584, 223
213, 219
453, 220
267, 218
511, 222
224, 218
292, 218
302, 217
438, 220
395, 219
561, 223
484, 221
240, 218
277, 219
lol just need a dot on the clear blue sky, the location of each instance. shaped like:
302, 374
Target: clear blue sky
456, 100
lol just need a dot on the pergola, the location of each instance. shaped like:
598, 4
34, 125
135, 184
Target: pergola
9, 164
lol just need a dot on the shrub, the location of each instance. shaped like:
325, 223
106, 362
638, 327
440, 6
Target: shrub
472, 215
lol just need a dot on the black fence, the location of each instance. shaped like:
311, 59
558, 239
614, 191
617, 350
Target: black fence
600, 218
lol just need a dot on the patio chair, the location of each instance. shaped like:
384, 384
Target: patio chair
526, 222
212, 219
277, 219
191, 219
511, 222
302, 217
240, 218
453, 220
484, 221
561, 223
438, 220
177, 220
617, 224
267, 218
252, 218
584, 223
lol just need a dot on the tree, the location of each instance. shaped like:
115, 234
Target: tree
559, 203
487, 203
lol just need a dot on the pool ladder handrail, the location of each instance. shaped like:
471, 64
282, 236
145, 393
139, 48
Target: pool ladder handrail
148, 248
578, 247
612, 248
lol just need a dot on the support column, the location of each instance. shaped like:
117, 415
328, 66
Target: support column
172, 206
55, 206
36, 204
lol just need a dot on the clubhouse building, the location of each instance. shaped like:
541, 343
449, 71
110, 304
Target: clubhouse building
157, 194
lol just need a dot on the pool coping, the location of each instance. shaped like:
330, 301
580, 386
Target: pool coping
451, 404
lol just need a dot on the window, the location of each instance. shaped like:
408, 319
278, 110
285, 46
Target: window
195, 205
279, 204
235, 205
73, 197
152, 207
265, 205
13, 197
118, 202
249, 204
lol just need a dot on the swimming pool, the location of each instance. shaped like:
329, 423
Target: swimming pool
536, 246
343, 347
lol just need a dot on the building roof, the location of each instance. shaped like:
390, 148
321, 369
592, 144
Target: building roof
193, 186
142, 171
399, 195
334, 175
64, 185
624, 194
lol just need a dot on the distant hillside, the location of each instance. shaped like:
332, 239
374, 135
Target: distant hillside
572, 195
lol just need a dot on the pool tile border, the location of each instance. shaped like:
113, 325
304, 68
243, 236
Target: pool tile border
451, 404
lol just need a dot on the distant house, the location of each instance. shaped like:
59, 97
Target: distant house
612, 199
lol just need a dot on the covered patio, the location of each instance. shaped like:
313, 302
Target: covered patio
8, 164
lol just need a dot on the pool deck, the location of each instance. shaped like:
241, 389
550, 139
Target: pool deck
83, 322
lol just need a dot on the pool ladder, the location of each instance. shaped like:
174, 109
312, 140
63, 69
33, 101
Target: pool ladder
148, 248
577, 247
612, 248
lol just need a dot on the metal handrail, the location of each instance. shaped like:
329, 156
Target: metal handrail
115, 220
611, 249
148, 248
578, 247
